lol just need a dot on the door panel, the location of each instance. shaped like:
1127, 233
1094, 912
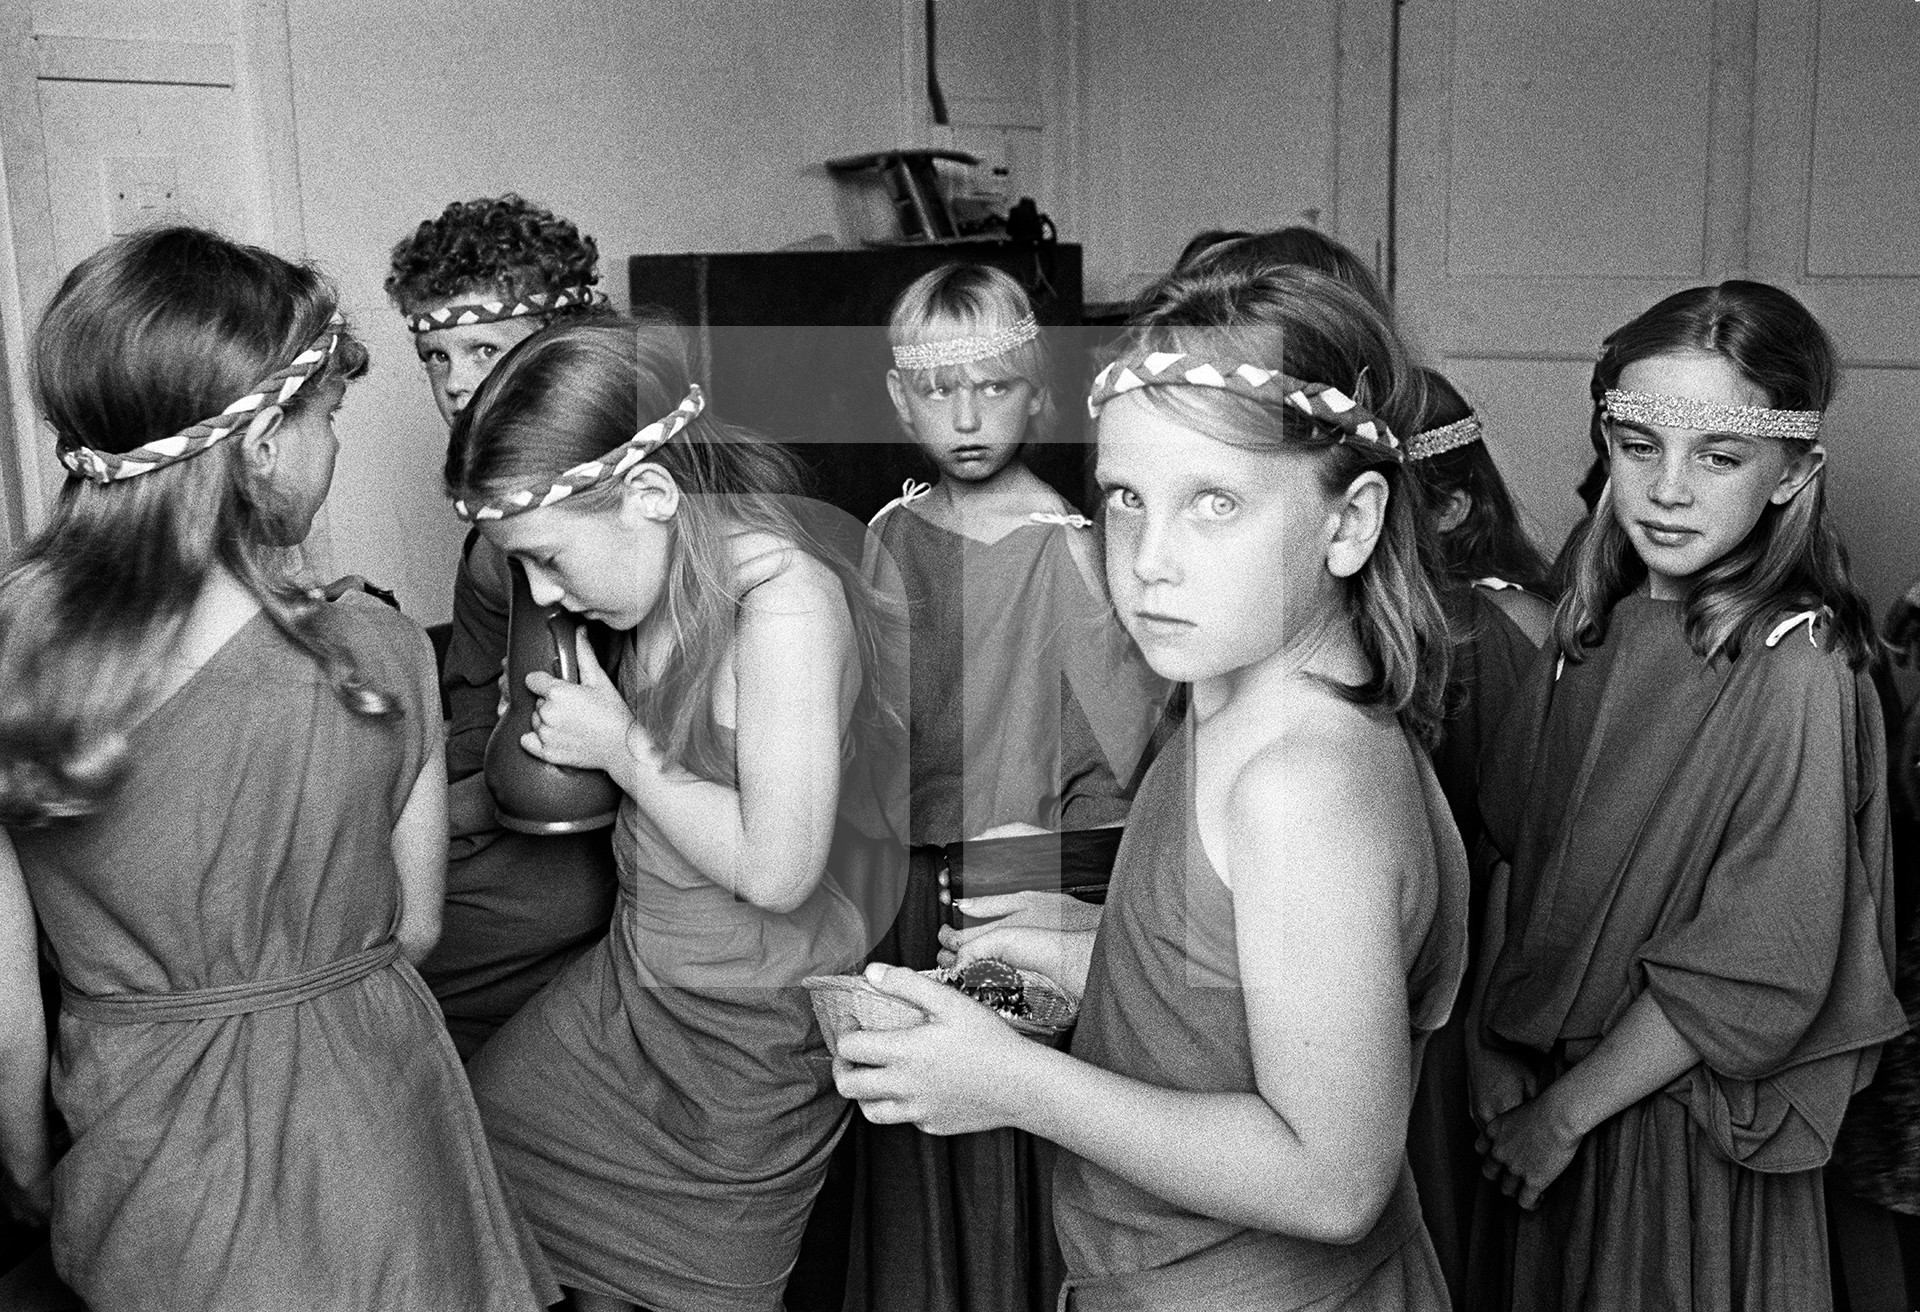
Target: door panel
194, 92
1561, 168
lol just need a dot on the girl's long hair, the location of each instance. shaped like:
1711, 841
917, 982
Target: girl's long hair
1315, 328
572, 393
1490, 542
145, 338
1793, 559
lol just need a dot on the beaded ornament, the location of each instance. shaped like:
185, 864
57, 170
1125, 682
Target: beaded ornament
1709, 417
965, 350
1424, 446
594, 472
275, 389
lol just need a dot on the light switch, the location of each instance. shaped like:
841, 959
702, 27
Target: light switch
141, 190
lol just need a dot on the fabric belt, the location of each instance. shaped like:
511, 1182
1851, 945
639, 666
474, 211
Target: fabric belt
230, 999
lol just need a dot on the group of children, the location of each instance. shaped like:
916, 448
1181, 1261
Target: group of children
1463, 948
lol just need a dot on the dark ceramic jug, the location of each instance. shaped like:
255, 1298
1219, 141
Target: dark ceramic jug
531, 795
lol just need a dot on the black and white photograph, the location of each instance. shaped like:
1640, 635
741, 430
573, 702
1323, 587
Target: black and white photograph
959, 656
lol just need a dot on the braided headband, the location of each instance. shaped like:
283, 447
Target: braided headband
965, 350
1709, 417
276, 389
1424, 446
611, 465
471, 312
1329, 405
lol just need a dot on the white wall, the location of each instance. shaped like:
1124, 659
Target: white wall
1213, 116
654, 127
701, 124
696, 125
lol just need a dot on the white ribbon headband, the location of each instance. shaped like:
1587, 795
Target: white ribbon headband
275, 389
611, 465
463, 313
1140, 368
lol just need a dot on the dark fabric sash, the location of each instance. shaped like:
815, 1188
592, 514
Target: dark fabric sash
230, 999
1254, 1269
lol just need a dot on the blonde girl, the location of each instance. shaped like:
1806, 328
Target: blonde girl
1286, 921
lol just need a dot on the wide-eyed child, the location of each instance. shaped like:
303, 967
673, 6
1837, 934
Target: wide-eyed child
1287, 919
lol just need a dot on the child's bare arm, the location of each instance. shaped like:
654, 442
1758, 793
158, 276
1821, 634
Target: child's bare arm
767, 840
1535, 1142
1316, 856
25, 1154
1316, 1151
420, 844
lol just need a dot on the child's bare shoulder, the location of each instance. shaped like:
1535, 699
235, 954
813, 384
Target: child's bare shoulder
774, 572
1341, 768
1328, 820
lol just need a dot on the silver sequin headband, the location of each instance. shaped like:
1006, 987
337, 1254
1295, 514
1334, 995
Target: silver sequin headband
465, 313
965, 350
611, 465
275, 389
1424, 446
1708, 417
1329, 405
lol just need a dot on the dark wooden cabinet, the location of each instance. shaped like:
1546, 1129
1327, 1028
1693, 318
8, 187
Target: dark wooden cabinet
793, 344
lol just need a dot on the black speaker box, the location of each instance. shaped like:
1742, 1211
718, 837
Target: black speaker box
793, 344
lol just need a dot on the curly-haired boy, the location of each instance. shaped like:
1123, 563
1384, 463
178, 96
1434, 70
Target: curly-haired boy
473, 283
480, 277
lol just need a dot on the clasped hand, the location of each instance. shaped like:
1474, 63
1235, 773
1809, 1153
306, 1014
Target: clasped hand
1528, 1148
951, 1075
580, 724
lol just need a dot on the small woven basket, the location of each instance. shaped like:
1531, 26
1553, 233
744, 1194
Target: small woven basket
845, 1003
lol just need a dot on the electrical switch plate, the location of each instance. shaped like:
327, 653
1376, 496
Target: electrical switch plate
140, 190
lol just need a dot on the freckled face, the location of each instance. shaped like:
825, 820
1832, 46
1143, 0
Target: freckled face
1687, 498
458, 360
608, 565
1216, 556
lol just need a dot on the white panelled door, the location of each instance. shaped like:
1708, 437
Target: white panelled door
1562, 167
